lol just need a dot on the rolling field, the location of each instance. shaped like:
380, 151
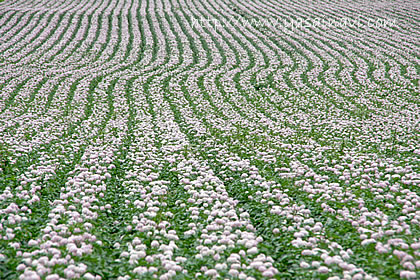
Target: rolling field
209, 139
